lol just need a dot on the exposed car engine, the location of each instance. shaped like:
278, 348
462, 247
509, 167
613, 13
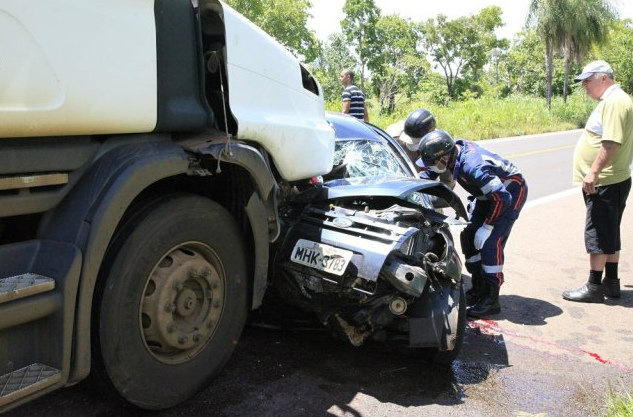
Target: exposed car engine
373, 267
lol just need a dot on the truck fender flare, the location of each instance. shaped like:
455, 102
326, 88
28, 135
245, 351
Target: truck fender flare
90, 214
122, 169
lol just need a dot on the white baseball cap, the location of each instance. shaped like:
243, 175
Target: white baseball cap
595, 67
396, 130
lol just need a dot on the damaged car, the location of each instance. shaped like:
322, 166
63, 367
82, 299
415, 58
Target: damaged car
366, 251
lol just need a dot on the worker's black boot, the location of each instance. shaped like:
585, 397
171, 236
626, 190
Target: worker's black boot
474, 294
588, 293
488, 303
611, 287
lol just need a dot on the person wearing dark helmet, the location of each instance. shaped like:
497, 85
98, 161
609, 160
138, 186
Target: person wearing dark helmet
500, 192
417, 124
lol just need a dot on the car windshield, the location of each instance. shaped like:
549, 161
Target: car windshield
364, 158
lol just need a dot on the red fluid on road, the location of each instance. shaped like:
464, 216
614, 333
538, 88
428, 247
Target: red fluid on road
491, 327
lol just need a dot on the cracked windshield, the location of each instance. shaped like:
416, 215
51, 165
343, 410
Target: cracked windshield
363, 158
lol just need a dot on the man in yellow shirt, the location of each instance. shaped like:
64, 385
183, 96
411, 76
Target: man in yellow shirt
602, 161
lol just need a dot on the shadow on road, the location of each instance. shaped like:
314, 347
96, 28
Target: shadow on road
306, 372
524, 310
625, 300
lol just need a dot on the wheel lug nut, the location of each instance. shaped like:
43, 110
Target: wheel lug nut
170, 307
197, 337
182, 340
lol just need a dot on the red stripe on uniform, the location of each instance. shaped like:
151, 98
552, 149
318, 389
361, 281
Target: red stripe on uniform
499, 260
520, 199
497, 209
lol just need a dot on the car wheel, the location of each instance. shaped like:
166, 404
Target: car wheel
173, 301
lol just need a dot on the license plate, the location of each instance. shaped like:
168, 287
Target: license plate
320, 256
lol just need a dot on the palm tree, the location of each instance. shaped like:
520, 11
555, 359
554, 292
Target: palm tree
550, 18
589, 25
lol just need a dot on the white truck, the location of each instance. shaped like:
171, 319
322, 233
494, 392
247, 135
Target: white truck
142, 146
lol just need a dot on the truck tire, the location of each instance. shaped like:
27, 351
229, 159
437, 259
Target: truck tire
173, 301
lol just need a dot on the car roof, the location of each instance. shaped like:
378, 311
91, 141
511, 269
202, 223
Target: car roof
348, 127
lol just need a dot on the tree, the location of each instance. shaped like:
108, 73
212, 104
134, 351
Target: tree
498, 63
397, 67
284, 20
336, 56
618, 51
549, 19
359, 27
526, 65
461, 44
587, 26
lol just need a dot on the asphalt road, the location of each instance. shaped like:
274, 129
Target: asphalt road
541, 356
545, 160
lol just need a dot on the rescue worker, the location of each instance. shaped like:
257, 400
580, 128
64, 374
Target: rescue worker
418, 123
500, 192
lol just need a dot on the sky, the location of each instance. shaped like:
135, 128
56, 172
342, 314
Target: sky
327, 14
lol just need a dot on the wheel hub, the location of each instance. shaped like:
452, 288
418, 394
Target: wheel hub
182, 303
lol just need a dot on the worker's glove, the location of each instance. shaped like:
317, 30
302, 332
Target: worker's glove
481, 235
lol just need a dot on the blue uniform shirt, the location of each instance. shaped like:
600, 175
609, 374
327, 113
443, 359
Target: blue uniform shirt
487, 176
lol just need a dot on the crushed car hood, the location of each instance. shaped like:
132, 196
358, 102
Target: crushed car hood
400, 188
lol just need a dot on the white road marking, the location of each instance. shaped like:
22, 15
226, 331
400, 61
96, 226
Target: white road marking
552, 197
537, 136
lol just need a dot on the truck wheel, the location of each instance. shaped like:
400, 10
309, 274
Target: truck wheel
446, 357
174, 301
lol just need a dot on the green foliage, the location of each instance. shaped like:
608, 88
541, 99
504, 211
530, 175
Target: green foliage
335, 57
487, 118
618, 51
570, 26
397, 67
505, 100
619, 405
462, 44
526, 64
359, 27
524, 67
548, 19
284, 20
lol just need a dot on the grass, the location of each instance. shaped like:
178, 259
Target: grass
619, 404
487, 118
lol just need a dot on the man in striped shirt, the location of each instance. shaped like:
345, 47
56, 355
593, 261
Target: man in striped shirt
353, 97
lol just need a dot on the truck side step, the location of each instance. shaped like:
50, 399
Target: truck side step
26, 381
24, 285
